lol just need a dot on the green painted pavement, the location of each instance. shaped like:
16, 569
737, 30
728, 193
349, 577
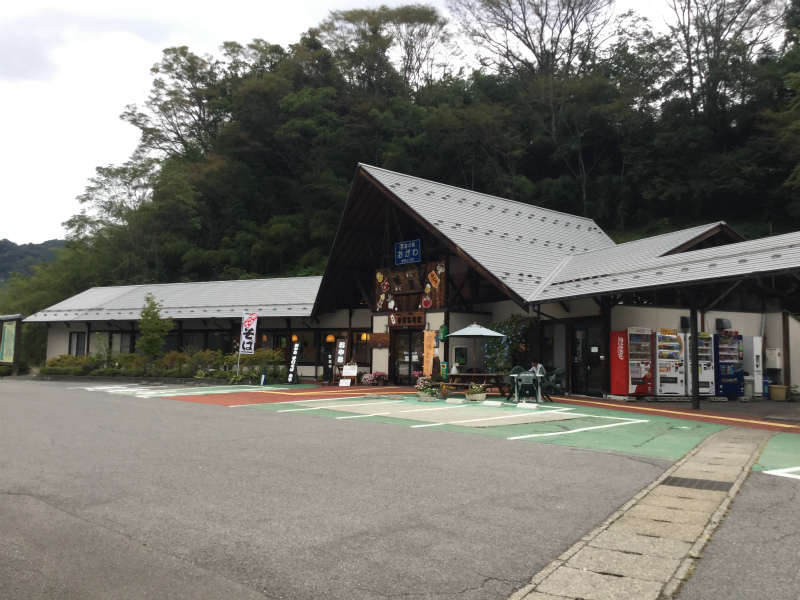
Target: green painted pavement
781, 452
598, 428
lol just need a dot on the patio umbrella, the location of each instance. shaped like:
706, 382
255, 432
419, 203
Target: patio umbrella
475, 331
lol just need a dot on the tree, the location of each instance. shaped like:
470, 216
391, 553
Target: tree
186, 107
717, 41
545, 37
153, 328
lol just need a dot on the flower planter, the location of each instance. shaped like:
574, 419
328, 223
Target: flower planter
777, 393
475, 397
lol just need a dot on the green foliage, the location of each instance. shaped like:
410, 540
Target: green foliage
23, 257
245, 159
153, 328
519, 332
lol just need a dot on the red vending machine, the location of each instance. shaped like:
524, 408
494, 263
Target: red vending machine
632, 362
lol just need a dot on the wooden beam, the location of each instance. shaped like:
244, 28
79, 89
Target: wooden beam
565, 306
724, 295
363, 293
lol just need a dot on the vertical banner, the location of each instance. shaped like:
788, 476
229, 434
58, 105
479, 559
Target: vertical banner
7, 342
428, 346
292, 378
247, 343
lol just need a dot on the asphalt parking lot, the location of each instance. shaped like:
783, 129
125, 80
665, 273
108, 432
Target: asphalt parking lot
110, 495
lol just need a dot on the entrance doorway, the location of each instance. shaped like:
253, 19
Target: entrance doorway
587, 367
407, 353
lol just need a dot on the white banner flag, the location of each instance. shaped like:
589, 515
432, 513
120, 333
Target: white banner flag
247, 344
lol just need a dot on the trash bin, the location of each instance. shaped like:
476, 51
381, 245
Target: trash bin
767, 381
749, 388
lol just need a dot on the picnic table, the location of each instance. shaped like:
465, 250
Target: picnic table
489, 380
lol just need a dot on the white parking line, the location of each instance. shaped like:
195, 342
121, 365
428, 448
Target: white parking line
516, 415
338, 406
362, 416
784, 472
533, 435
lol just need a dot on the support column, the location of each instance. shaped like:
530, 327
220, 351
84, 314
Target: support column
694, 359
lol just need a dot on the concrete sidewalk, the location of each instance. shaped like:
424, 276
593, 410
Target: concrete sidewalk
647, 549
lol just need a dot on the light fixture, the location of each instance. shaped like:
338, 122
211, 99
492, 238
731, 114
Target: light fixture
364, 337
294, 337
330, 338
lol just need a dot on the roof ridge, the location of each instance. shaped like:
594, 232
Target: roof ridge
462, 190
653, 237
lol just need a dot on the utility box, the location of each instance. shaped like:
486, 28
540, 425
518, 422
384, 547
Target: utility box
773, 358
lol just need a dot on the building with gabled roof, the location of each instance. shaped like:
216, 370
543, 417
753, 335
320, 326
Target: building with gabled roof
469, 257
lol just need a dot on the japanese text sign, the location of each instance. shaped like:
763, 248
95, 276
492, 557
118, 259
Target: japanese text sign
406, 253
247, 344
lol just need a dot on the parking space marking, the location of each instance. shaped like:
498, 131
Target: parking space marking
785, 472
534, 435
515, 415
362, 416
337, 406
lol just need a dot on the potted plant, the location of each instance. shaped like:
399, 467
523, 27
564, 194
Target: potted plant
369, 379
444, 392
426, 392
380, 377
475, 393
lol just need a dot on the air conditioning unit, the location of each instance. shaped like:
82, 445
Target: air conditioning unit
773, 358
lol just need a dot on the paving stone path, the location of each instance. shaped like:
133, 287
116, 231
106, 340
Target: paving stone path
647, 549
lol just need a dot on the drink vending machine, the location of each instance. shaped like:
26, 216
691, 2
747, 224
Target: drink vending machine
670, 379
705, 364
632, 362
728, 356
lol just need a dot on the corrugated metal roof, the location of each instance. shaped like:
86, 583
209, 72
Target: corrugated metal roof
519, 243
768, 255
627, 256
287, 297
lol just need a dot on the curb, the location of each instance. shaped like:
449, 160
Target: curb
685, 569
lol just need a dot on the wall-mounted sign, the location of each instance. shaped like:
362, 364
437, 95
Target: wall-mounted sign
406, 319
406, 253
292, 378
404, 282
379, 340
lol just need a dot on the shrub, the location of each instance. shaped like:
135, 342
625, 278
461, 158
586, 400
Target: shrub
173, 361
61, 371
107, 372
5, 371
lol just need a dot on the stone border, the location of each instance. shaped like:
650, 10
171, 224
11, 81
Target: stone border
687, 564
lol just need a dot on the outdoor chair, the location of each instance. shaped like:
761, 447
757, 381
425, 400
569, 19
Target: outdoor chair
510, 381
525, 386
552, 383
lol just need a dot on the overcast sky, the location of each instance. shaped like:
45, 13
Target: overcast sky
68, 69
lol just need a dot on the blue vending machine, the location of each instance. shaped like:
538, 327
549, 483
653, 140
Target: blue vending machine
729, 364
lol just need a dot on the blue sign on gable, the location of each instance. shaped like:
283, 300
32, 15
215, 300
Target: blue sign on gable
407, 252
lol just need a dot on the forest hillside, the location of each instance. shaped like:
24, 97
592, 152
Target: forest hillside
245, 158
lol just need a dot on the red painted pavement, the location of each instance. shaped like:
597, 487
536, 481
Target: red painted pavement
275, 396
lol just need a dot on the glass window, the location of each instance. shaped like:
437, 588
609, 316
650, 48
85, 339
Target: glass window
279, 341
171, 342
194, 341
219, 340
325, 346
77, 343
308, 348
359, 348
121, 343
